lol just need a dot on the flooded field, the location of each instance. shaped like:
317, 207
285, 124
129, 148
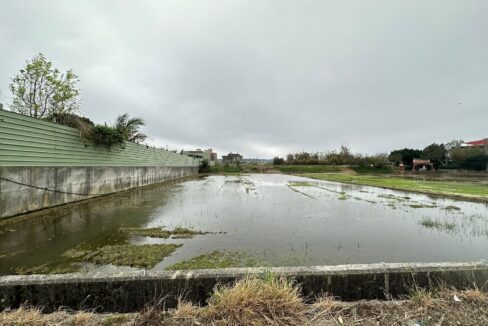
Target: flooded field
265, 219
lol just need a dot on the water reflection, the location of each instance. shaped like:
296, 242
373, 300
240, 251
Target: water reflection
278, 219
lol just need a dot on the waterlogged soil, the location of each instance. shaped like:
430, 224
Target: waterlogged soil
270, 219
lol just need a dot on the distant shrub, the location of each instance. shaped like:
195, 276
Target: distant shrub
107, 136
204, 166
278, 161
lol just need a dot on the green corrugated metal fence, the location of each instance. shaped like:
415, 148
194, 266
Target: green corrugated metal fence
26, 141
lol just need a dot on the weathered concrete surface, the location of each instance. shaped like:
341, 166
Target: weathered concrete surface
131, 291
36, 188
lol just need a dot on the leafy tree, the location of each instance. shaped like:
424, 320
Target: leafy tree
469, 157
405, 155
40, 90
278, 160
129, 128
436, 153
453, 144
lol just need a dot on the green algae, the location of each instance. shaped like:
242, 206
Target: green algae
177, 233
47, 269
214, 260
147, 255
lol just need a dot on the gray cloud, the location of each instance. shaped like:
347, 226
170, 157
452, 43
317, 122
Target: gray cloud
267, 77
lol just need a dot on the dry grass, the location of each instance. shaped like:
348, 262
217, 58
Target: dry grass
277, 301
24, 316
252, 301
421, 297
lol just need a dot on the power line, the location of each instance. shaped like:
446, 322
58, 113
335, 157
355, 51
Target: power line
47, 189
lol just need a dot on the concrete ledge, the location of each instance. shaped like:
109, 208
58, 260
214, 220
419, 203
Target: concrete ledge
130, 291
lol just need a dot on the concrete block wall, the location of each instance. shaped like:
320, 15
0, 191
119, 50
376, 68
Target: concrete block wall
26, 189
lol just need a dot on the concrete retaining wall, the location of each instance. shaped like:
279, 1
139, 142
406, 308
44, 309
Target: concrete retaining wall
25, 189
130, 291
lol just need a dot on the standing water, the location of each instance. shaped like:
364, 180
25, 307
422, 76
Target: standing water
278, 220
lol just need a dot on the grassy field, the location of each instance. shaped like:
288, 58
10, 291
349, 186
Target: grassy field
449, 188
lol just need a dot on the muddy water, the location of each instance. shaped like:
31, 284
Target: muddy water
276, 219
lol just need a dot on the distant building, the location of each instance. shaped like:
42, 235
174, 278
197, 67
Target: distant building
232, 159
202, 154
422, 165
478, 143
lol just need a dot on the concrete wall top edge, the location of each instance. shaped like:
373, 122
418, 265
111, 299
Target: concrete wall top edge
382, 268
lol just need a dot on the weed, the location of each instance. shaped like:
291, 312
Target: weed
126, 255
177, 233
430, 223
213, 260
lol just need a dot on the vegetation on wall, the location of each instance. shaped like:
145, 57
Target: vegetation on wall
129, 128
40, 90
107, 136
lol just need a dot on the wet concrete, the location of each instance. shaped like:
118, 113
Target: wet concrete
131, 291
26, 189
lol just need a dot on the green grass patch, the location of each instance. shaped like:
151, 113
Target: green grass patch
422, 206
177, 233
432, 224
124, 255
301, 184
372, 170
48, 269
452, 208
214, 260
453, 188
308, 168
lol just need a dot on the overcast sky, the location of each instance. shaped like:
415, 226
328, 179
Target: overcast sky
264, 78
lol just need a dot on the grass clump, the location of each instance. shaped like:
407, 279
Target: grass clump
213, 260
301, 184
177, 233
452, 208
254, 301
422, 206
430, 223
125, 255
48, 269
23, 316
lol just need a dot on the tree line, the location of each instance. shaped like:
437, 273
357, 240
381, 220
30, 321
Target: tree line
451, 155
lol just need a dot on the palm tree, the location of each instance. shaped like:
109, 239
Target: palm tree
129, 128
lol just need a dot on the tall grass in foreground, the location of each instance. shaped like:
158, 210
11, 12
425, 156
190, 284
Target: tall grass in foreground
252, 300
277, 301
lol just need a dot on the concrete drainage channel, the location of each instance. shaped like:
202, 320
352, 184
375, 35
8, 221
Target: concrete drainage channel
126, 292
